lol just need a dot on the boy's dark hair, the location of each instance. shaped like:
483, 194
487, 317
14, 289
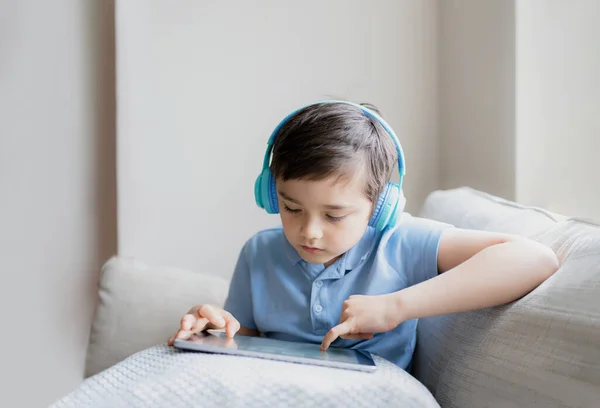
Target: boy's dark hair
328, 139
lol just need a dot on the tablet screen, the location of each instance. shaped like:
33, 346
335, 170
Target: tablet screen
271, 348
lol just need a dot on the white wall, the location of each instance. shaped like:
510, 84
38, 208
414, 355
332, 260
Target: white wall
558, 105
57, 211
201, 87
477, 94
519, 99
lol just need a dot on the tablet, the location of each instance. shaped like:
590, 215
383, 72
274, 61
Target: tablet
262, 347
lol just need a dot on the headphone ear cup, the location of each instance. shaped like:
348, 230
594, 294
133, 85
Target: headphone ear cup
386, 210
398, 209
272, 194
258, 190
265, 192
377, 211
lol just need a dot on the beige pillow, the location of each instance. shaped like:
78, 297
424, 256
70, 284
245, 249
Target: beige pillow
140, 306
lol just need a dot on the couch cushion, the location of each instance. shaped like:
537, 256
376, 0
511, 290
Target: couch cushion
541, 350
468, 208
141, 306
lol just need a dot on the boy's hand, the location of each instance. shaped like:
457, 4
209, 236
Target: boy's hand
362, 316
205, 317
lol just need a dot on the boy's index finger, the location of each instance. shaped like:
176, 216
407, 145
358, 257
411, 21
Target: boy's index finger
334, 333
213, 315
232, 328
232, 325
199, 325
188, 321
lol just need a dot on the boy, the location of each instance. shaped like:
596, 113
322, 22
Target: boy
338, 274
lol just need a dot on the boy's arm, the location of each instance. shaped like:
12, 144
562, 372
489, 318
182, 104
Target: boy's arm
476, 270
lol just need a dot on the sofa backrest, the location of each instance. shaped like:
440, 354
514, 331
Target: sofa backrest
542, 350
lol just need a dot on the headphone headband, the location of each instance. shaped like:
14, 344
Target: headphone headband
390, 202
366, 111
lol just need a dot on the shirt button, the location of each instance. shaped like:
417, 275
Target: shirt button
318, 308
319, 284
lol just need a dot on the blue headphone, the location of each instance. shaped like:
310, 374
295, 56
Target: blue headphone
390, 203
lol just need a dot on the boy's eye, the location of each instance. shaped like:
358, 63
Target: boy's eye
335, 219
291, 210
330, 218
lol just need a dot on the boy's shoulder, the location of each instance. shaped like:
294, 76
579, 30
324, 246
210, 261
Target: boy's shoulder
411, 247
411, 231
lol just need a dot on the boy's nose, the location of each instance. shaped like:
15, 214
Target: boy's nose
311, 230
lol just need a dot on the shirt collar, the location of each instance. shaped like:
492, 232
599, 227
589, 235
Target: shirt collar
355, 255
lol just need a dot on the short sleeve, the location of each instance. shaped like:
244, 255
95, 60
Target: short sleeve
239, 297
413, 245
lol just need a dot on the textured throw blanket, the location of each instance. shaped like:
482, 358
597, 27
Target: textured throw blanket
162, 376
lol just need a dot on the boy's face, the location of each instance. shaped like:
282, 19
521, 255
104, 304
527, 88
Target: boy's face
323, 219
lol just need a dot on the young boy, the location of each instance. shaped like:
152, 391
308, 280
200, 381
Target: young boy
344, 270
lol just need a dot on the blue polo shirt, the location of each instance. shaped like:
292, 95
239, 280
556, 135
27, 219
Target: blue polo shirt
282, 296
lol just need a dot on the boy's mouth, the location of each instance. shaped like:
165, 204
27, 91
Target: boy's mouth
311, 250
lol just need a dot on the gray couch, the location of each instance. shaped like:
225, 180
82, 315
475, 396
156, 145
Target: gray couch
542, 350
